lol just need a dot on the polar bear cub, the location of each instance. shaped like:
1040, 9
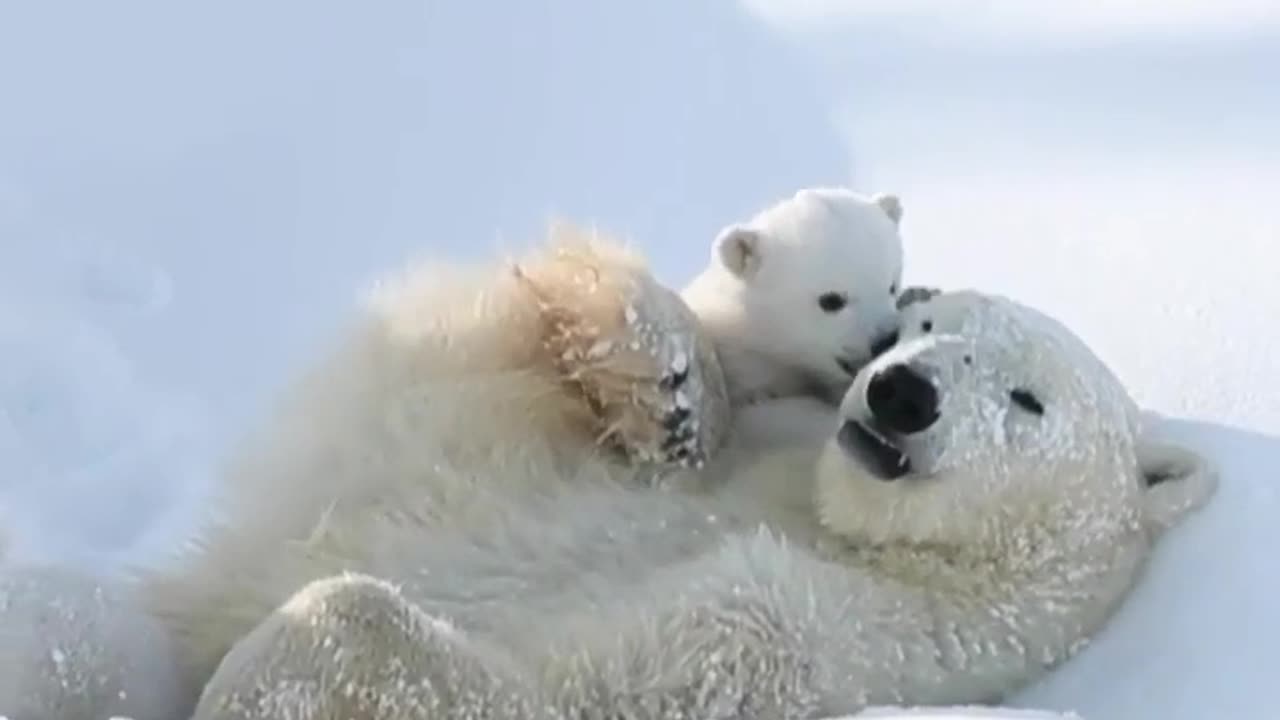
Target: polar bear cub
796, 300
982, 509
802, 295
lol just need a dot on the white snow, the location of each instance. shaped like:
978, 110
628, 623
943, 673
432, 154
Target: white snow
190, 196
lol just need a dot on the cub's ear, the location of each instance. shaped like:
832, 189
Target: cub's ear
891, 204
738, 248
1176, 481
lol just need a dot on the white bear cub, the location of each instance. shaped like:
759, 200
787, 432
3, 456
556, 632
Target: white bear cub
801, 296
796, 300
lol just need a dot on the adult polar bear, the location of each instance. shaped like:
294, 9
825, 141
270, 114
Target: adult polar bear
984, 505
580, 343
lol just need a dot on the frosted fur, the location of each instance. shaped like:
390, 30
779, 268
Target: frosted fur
801, 587
570, 365
758, 297
959, 313
74, 648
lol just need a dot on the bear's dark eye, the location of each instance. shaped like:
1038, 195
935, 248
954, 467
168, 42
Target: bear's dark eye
832, 301
968, 359
1027, 401
893, 289
926, 326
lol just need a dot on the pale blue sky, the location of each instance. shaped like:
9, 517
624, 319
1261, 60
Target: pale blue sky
300, 146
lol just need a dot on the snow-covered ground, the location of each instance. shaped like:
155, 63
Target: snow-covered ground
191, 195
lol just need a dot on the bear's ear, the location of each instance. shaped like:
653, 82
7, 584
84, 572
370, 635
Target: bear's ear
891, 205
915, 294
1175, 481
738, 248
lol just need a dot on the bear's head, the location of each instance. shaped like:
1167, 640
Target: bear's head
987, 416
814, 280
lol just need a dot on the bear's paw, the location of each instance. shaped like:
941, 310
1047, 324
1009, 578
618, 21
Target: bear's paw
630, 348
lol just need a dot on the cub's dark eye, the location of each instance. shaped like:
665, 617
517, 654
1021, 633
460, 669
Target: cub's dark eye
832, 301
926, 326
1027, 401
893, 289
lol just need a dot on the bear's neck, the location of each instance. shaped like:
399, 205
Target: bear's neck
996, 615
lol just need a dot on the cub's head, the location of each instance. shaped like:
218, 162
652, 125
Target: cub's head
989, 415
814, 279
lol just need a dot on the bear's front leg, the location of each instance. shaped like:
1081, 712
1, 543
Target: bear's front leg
632, 348
915, 294
352, 646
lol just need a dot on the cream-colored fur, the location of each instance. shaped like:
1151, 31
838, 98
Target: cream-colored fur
453, 378
957, 562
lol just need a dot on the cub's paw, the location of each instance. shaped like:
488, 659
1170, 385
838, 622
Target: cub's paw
631, 348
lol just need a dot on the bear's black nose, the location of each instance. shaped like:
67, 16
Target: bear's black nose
902, 400
883, 343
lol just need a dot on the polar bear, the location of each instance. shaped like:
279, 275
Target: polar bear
800, 296
579, 342
981, 510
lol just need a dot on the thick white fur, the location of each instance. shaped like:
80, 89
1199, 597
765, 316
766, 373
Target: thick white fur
758, 296
1166, 503
572, 364
530, 573
803, 587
